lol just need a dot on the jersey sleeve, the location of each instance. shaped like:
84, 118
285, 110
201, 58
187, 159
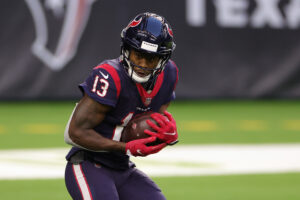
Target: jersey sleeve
103, 85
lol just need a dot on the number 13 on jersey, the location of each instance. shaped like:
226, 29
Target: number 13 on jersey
104, 84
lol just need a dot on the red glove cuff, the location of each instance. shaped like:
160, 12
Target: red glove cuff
139, 147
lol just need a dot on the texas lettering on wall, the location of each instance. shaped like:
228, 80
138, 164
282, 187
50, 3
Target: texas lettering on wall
276, 14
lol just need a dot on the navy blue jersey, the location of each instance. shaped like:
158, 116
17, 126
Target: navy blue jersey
109, 84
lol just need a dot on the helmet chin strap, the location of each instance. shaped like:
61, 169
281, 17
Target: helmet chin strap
133, 75
136, 77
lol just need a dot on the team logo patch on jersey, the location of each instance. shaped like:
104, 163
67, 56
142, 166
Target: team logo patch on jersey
147, 101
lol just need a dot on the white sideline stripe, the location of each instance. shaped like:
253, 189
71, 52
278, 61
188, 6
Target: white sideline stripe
179, 160
84, 188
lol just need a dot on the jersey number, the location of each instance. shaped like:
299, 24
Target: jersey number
118, 130
103, 89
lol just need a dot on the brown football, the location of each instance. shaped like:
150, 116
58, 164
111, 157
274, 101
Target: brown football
135, 129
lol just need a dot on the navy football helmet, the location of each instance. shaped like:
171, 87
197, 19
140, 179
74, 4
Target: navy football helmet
148, 33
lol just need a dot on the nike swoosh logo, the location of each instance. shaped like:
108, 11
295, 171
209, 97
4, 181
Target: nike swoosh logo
139, 152
104, 75
174, 133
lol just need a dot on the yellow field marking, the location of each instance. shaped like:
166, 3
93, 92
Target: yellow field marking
2, 129
42, 128
293, 125
253, 125
199, 125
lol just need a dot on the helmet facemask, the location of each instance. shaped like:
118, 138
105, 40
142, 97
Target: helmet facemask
130, 66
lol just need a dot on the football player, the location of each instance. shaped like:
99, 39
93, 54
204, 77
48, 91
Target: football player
142, 79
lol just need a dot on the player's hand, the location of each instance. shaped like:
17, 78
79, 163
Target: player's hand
166, 129
139, 148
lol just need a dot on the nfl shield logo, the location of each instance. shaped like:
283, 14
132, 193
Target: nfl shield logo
147, 101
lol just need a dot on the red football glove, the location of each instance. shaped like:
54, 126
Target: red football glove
138, 147
166, 131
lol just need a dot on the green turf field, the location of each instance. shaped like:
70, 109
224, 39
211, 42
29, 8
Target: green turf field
241, 187
198, 122
41, 125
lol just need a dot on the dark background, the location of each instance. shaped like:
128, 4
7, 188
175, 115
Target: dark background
214, 61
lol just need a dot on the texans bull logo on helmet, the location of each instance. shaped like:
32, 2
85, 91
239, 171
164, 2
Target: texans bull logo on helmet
134, 23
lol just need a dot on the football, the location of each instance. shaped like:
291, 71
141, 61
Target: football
135, 129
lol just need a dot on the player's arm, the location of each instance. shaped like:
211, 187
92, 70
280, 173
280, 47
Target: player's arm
163, 108
87, 115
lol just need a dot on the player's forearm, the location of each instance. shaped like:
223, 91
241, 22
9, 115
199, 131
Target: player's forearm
91, 140
163, 108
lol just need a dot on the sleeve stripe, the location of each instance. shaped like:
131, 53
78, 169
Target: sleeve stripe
113, 72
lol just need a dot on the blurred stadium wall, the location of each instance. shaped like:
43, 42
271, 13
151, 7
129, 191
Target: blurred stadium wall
225, 48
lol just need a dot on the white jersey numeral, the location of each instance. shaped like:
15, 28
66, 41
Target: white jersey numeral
103, 89
118, 130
